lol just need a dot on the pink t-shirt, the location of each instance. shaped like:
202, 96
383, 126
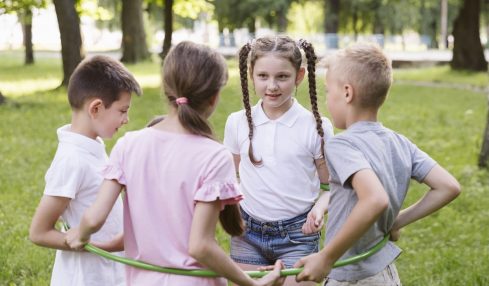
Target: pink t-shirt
165, 174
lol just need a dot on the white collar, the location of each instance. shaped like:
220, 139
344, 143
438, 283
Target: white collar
288, 118
95, 147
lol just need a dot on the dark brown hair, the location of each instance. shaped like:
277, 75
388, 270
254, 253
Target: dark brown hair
198, 73
288, 49
100, 77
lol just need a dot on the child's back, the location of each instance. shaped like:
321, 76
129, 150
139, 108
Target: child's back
395, 160
173, 171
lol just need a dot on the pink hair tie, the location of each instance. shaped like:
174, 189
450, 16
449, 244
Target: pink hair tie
181, 100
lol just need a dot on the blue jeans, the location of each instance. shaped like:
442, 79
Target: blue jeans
265, 242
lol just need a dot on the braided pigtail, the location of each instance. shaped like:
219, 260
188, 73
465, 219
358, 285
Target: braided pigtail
311, 71
243, 74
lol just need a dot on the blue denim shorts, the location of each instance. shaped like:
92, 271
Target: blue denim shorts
265, 242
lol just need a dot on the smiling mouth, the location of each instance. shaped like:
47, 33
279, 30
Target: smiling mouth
273, 95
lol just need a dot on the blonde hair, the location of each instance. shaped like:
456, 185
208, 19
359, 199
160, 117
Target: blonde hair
367, 69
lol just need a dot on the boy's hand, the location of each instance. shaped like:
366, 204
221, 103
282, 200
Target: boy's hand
73, 239
316, 268
314, 221
395, 234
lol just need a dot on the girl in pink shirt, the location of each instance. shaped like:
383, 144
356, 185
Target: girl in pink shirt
178, 180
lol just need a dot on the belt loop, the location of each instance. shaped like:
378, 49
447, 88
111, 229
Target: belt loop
281, 229
250, 225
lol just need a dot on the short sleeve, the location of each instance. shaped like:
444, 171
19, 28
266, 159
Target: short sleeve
219, 181
231, 134
64, 177
113, 170
345, 159
422, 163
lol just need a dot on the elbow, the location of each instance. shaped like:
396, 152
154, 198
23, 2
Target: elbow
198, 250
34, 237
453, 187
380, 202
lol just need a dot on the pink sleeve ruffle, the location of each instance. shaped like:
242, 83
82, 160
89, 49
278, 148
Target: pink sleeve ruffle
113, 172
227, 193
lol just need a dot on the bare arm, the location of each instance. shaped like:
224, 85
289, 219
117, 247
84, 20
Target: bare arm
372, 201
204, 248
115, 244
237, 160
42, 231
315, 218
443, 189
95, 216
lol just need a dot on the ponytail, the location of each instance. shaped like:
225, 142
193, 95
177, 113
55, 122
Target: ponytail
231, 221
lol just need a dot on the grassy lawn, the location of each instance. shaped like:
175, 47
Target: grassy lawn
449, 248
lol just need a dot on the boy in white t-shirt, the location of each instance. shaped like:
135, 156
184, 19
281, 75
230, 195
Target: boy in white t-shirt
99, 93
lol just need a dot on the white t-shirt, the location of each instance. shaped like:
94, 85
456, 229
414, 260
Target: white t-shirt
286, 185
76, 173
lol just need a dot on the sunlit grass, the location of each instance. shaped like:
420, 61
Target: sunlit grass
443, 74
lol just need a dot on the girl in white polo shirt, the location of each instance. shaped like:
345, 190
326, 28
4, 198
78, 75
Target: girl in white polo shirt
278, 152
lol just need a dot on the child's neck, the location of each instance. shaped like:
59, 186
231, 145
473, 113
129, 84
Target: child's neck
80, 124
171, 124
361, 115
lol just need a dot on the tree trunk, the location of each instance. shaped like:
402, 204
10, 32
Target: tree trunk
332, 23
71, 40
467, 48
134, 47
168, 29
2, 99
27, 31
484, 154
282, 20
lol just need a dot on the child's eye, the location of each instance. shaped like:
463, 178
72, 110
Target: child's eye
262, 75
283, 76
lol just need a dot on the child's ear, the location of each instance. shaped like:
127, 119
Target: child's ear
94, 107
300, 76
349, 93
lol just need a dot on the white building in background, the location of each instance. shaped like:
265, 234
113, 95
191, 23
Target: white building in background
45, 33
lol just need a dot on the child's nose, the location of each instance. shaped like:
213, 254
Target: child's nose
272, 85
125, 120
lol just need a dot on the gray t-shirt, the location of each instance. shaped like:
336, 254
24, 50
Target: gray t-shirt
395, 160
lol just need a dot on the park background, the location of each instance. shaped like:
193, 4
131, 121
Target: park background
439, 100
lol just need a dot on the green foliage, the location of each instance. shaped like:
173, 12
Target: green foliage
449, 248
305, 18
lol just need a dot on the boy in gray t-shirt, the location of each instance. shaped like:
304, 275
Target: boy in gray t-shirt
370, 170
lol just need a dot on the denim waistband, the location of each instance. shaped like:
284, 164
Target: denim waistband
274, 227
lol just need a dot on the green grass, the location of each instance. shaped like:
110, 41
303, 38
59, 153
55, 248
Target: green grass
443, 74
449, 248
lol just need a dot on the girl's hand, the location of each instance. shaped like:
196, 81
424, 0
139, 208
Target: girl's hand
74, 240
314, 222
273, 278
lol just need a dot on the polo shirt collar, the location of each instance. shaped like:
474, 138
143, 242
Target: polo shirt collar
95, 147
288, 118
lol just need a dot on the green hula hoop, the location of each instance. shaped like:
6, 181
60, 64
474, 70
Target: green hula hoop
208, 273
